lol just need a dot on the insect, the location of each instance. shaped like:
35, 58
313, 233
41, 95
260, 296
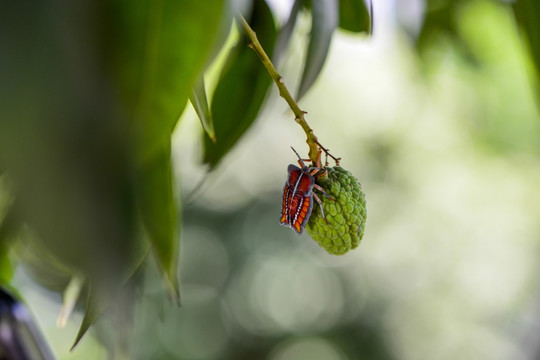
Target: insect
298, 195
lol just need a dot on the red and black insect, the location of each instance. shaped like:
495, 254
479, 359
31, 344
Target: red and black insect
298, 195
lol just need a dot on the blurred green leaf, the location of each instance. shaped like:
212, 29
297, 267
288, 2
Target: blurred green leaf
241, 89
70, 297
286, 31
94, 309
231, 8
6, 268
200, 104
440, 18
40, 263
441, 21
324, 22
355, 15
63, 134
8, 226
98, 299
159, 213
161, 48
527, 16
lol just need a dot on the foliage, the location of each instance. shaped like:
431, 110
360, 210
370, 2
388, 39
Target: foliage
526, 12
241, 89
91, 92
87, 121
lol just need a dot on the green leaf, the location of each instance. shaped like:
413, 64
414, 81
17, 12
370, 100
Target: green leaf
6, 267
94, 309
8, 227
241, 89
99, 299
160, 49
286, 31
526, 13
440, 18
324, 22
200, 104
355, 15
230, 10
441, 21
158, 210
70, 297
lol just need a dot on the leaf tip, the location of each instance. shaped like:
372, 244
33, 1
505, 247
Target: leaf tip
80, 335
173, 289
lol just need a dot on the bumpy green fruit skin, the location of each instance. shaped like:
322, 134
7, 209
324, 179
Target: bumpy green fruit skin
346, 215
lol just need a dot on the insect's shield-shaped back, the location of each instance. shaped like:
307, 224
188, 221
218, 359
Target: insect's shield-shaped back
297, 198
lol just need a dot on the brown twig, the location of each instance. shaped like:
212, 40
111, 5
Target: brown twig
254, 43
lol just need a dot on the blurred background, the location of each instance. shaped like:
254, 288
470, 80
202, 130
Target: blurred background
445, 144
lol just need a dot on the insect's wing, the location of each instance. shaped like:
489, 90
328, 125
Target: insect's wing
300, 211
302, 202
305, 184
294, 173
297, 198
285, 205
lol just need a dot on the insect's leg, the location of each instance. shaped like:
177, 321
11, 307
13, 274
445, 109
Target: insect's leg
301, 162
324, 192
320, 205
318, 172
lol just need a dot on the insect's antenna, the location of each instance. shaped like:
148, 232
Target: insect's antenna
302, 161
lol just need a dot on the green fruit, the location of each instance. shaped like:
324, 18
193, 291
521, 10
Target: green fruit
345, 212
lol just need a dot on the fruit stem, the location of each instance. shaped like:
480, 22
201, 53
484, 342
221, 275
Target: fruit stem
254, 43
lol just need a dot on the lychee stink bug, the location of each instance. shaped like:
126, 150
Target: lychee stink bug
298, 195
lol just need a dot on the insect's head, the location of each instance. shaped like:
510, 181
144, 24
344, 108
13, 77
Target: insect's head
314, 170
